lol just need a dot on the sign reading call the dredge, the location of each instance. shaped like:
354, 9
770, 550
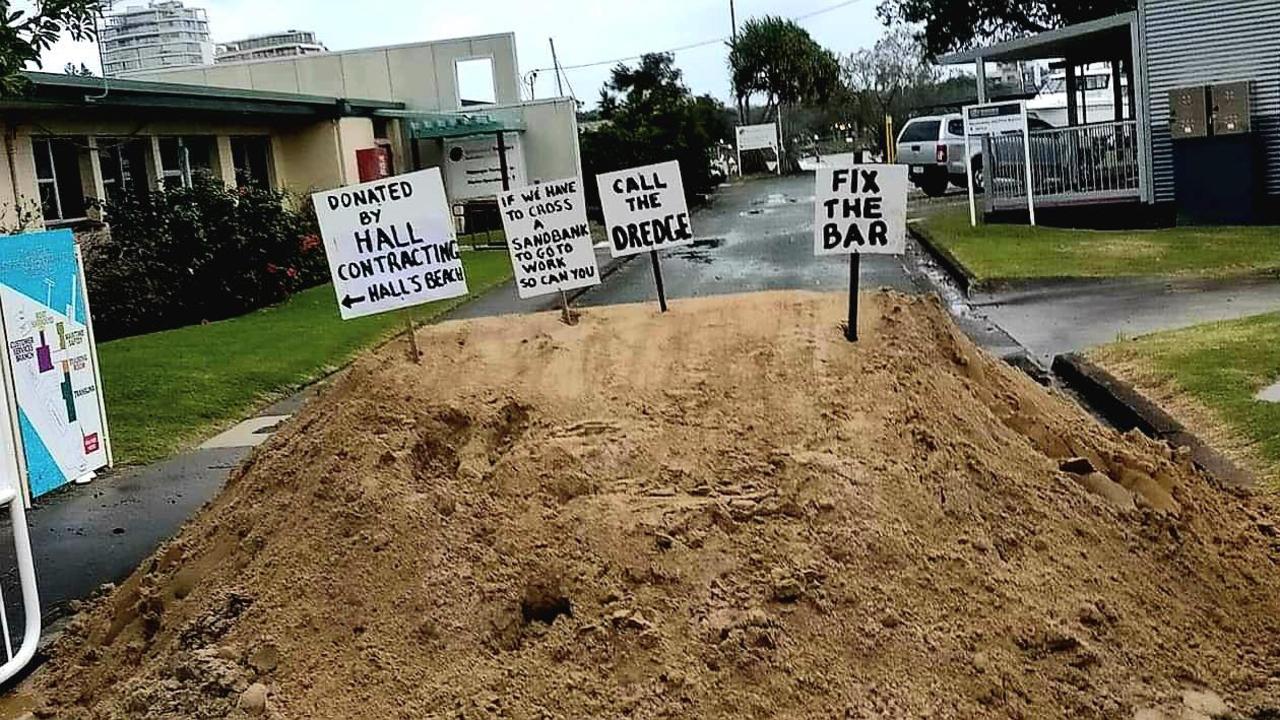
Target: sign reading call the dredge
861, 210
549, 238
644, 209
391, 244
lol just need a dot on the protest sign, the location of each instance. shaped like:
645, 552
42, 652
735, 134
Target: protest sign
645, 211
390, 244
548, 238
860, 210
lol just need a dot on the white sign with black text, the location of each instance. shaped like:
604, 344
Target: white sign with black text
990, 120
549, 238
644, 209
390, 243
861, 210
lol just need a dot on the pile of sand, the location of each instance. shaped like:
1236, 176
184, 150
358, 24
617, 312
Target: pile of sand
725, 512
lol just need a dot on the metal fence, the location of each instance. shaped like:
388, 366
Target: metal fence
1075, 165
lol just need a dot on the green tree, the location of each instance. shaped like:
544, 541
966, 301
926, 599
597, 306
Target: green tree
26, 34
888, 79
949, 25
647, 115
777, 58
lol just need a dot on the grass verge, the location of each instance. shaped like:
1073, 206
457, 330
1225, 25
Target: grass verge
167, 390
1208, 377
996, 254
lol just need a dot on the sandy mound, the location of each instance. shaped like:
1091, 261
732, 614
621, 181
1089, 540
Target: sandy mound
725, 512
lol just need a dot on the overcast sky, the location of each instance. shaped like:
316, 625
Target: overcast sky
585, 31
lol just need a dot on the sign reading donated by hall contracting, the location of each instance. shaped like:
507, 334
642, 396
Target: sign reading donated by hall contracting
549, 238
644, 209
861, 210
391, 244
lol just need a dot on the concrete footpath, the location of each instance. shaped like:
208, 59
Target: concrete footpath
1064, 317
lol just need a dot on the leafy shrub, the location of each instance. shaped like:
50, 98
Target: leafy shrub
649, 116
183, 256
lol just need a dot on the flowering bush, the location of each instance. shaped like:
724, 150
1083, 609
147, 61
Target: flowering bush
183, 256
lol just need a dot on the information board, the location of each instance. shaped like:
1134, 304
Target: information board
391, 244
549, 238
57, 385
861, 210
990, 120
645, 209
473, 167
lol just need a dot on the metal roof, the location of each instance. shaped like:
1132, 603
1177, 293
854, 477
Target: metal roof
51, 90
434, 126
1099, 39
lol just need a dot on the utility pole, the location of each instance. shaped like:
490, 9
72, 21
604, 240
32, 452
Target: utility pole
733, 19
555, 61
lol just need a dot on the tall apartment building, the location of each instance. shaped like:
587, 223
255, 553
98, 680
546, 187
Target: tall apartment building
159, 36
290, 43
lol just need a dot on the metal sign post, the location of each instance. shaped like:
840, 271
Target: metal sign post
988, 121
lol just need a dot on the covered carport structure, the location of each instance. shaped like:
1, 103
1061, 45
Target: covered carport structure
1084, 162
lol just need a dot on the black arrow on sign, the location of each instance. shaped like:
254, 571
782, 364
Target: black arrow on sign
348, 301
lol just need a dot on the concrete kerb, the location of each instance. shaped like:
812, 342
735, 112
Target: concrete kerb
1126, 408
960, 275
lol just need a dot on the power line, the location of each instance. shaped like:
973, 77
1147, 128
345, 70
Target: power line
694, 46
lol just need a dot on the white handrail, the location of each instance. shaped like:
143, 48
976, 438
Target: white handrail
27, 580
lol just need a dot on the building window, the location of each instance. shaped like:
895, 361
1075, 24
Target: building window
58, 179
251, 158
124, 166
476, 82
183, 159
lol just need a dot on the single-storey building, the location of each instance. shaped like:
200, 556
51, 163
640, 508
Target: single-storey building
295, 124
1196, 122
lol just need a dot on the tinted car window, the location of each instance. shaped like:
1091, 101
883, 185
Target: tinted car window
923, 131
955, 127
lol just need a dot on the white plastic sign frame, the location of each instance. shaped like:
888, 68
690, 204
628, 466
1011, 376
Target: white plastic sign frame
391, 244
759, 137
549, 238
990, 119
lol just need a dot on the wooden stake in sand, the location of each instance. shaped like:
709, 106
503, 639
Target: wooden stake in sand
657, 279
566, 314
414, 353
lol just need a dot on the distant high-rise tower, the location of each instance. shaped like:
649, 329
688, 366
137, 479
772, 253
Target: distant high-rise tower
289, 43
159, 36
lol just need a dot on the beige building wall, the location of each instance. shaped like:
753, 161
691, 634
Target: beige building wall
550, 141
318, 155
423, 75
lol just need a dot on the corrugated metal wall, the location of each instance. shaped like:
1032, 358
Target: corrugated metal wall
1202, 42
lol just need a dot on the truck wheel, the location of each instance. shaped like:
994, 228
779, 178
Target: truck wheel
935, 187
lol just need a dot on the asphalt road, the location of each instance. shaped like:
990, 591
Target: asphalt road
756, 235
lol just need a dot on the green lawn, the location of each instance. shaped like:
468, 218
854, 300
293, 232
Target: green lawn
168, 390
1004, 253
1208, 376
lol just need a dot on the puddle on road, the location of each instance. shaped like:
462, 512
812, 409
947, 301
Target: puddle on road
698, 252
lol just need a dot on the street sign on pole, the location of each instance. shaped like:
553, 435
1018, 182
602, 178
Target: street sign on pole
391, 244
988, 121
759, 137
